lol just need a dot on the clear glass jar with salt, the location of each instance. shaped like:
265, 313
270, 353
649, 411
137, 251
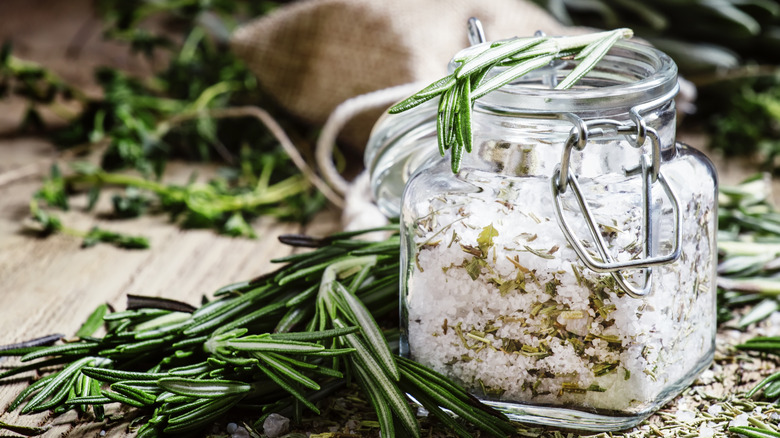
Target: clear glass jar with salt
566, 273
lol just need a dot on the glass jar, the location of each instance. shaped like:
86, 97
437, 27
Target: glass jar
585, 300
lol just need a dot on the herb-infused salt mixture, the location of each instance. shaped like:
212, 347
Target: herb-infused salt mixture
498, 299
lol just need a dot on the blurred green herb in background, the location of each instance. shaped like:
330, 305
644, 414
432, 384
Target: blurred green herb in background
195, 108
701, 35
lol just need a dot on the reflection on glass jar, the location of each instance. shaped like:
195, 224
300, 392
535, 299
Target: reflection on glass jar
586, 314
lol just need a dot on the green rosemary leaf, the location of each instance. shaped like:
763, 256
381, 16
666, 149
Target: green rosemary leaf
389, 246
510, 74
437, 87
772, 391
769, 380
763, 339
330, 372
171, 408
120, 398
287, 370
315, 336
754, 432
332, 352
432, 376
383, 411
253, 316
433, 408
440, 133
549, 47
56, 400
594, 54
359, 278
198, 418
495, 54
580, 41
190, 370
61, 379
290, 360
134, 393
219, 318
266, 344
312, 270
203, 388
111, 375
293, 317
279, 380
149, 387
93, 322
302, 297
766, 347
143, 346
450, 113
94, 391
456, 156
464, 115
74, 349
134, 314
23, 430
424, 95
759, 312
390, 390
89, 400
296, 261
27, 392
458, 408
369, 328
161, 326
241, 286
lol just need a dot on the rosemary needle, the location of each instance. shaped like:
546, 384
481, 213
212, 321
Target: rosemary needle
516, 57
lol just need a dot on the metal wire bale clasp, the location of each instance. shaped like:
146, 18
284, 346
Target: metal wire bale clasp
637, 133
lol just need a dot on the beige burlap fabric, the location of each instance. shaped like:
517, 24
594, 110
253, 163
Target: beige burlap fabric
314, 54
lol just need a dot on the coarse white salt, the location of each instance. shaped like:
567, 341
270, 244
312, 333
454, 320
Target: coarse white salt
685, 416
706, 430
497, 299
715, 410
740, 420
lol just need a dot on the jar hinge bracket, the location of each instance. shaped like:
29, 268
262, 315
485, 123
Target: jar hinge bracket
637, 133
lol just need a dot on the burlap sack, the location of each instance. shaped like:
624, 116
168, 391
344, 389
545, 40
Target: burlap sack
314, 54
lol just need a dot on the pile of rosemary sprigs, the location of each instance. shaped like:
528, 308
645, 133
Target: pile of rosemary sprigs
200, 106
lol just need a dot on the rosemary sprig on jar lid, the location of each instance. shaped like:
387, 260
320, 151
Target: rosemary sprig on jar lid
516, 57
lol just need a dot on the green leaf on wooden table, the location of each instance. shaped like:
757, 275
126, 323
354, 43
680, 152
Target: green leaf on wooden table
93, 322
23, 430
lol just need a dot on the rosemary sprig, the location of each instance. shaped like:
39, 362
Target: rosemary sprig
474, 78
749, 247
186, 368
